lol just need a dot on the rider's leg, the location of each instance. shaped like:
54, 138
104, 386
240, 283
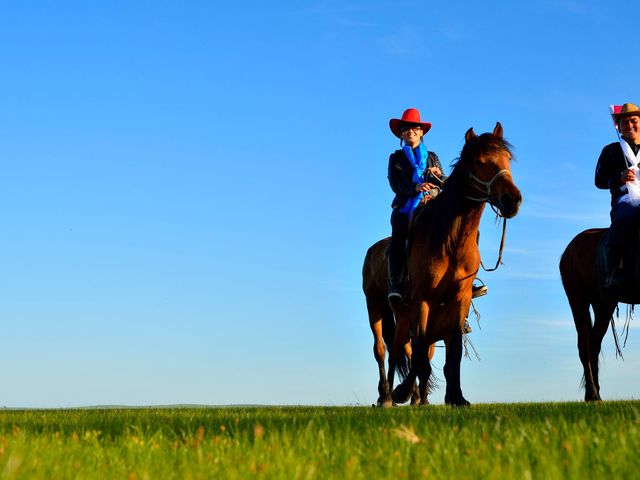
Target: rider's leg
625, 219
397, 253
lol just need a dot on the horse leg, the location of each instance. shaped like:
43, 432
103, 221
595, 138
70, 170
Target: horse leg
451, 369
379, 351
423, 367
582, 320
416, 398
403, 392
602, 312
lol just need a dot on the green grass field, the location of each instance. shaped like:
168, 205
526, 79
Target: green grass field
545, 441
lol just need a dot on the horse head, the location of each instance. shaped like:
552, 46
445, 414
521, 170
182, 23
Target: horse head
489, 173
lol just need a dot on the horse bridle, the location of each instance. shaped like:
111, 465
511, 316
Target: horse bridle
485, 189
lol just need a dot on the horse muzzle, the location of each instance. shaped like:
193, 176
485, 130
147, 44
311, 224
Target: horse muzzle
509, 204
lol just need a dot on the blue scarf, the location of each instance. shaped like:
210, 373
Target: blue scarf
418, 159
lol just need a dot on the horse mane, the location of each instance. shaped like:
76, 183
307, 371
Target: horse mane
440, 220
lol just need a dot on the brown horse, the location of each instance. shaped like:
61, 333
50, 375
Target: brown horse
578, 269
443, 260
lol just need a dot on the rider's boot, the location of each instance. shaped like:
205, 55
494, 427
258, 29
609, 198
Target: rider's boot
479, 290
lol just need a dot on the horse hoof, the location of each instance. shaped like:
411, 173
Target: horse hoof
383, 402
592, 395
458, 402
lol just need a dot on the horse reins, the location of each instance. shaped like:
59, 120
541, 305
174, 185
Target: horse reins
499, 261
485, 188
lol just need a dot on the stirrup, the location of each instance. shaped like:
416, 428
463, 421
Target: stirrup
395, 296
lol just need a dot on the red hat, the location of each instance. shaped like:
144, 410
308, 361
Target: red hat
411, 116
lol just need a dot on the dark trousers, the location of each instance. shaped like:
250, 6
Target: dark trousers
624, 224
398, 246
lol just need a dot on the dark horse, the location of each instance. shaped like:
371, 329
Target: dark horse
443, 260
583, 286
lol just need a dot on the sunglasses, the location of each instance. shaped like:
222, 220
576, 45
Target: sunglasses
415, 129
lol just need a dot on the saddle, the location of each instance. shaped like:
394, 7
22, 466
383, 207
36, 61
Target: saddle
626, 288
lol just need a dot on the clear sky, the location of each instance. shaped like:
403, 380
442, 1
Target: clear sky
188, 190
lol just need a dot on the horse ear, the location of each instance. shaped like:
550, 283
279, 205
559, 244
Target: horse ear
469, 135
498, 130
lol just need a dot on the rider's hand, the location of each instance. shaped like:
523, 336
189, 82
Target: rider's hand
422, 187
628, 175
435, 171
426, 199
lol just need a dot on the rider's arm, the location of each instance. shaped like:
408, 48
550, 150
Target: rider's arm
608, 169
436, 163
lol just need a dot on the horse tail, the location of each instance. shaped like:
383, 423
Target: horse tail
402, 365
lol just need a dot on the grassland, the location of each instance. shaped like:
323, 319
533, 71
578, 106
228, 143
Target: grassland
537, 441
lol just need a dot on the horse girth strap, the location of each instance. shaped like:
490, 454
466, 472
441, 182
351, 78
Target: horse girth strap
485, 187
499, 261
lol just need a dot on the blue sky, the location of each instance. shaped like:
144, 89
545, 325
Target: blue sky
188, 190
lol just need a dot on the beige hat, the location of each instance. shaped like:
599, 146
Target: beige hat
627, 110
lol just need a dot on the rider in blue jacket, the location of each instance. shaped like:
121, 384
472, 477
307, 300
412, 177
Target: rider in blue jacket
415, 175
